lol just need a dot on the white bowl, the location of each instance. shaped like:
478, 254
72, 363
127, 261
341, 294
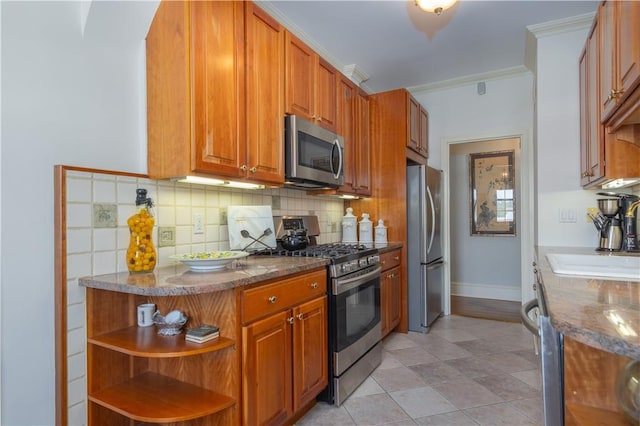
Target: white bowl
210, 260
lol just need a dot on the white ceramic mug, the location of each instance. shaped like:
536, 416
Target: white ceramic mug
145, 314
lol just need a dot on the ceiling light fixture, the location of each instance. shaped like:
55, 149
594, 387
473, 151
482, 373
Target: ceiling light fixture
435, 6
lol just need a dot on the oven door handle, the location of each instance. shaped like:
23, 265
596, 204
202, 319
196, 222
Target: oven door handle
340, 285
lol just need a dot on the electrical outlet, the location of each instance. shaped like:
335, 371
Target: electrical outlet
223, 216
198, 224
593, 211
166, 236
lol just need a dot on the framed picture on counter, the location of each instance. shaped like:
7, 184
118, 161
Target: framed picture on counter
492, 193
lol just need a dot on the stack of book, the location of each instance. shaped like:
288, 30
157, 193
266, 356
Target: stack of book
202, 333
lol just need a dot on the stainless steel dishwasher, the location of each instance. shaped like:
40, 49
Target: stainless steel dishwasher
551, 353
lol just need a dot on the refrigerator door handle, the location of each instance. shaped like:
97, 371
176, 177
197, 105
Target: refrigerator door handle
423, 296
436, 265
433, 221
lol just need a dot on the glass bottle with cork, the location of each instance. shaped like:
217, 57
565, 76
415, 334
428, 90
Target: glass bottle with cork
141, 253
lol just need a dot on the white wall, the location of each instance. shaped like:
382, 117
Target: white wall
558, 143
67, 100
457, 115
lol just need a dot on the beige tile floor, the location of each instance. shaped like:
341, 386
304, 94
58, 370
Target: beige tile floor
466, 371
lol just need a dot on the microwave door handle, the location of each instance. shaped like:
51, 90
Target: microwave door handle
336, 145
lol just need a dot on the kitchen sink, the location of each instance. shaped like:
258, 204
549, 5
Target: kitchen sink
593, 265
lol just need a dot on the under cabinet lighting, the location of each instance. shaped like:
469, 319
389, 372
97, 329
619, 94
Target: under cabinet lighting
349, 197
620, 183
217, 182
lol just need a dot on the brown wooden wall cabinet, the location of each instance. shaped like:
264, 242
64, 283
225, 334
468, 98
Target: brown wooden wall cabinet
353, 126
215, 99
285, 347
310, 84
610, 96
590, 377
390, 290
418, 141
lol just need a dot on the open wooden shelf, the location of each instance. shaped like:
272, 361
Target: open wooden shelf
146, 342
154, 398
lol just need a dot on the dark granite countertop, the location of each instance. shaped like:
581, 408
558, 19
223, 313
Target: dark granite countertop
178, 280
604, 314
388, 247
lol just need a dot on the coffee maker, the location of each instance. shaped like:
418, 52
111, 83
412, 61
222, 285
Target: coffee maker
626, 216
609, 223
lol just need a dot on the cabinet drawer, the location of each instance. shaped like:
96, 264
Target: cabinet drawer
390, 259
270, 298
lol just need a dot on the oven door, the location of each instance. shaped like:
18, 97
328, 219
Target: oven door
355, 323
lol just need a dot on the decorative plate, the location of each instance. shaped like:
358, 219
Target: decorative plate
210, 260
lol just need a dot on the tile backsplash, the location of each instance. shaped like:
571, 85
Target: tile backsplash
97, 208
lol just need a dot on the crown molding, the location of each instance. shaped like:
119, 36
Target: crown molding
560, 26
470, 79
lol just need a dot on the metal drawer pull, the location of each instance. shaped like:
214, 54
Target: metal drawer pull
272, 299
397, 257
300, 317
290, 320
314, 285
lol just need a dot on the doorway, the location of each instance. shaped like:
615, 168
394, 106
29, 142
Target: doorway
487, 274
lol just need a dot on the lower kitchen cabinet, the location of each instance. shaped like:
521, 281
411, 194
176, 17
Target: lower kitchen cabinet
285, 363
390, 291
135, 375
595, 388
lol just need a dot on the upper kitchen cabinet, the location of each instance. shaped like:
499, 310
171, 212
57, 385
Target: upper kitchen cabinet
310, 84
353, 126
418, 140
591, 132
204, 83
610, 149
265, 95
619, 23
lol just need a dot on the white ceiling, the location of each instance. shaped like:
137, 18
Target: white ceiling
398, 45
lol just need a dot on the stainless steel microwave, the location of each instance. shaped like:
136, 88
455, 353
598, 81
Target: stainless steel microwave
314, 157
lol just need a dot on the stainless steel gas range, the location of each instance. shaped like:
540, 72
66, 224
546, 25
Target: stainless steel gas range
354, 305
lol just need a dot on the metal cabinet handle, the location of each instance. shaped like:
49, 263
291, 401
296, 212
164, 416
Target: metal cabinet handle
396, 258
535, 270
314, 285
383, 262
300, 317
273, 299
313, 117
253, 169
320, 119
290, 320
244, 167
534, 263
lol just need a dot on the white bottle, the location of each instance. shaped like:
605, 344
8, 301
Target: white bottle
366, 231
349, 225
381, 234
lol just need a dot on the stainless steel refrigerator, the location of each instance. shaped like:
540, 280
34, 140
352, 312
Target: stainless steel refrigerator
424, 247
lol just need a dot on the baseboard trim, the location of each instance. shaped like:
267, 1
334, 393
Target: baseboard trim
499, 310
486, 291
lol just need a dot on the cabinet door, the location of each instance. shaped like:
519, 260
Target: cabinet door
390, 300
606, 23
217, 31
363, 154
584, 119
414, 124
423, 147
394, 302
267, 370
346, 102
595, 137
325, 101
628, 46
310, 347
265, 96
300, 68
